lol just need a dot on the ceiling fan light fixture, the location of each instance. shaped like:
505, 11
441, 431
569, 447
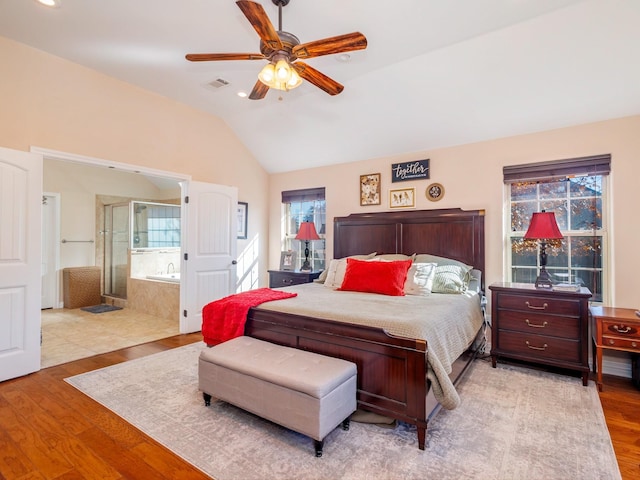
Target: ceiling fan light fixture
268, 74
283, 71
294, 81
281, 76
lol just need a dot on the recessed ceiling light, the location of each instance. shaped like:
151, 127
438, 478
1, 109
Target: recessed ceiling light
344, 57
242, 94
49, 3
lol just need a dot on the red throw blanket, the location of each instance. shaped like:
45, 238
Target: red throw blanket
224, 319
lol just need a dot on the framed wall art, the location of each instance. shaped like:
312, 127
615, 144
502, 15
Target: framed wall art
416, 170
243, 208
402, 198
435, 192
370, 189
287, 260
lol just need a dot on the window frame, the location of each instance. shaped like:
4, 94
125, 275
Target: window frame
554, 171
287, 236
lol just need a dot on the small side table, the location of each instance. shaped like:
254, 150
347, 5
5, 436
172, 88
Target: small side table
613, 329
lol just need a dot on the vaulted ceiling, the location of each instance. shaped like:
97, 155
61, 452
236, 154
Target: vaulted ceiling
435, 73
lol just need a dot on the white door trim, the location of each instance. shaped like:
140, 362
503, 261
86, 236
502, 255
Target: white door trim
53, 246
182, 179
99, 162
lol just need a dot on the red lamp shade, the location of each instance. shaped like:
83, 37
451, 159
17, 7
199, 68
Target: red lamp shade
307, 231
543, 226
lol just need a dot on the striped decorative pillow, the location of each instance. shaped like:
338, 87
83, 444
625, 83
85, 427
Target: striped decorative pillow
451, 279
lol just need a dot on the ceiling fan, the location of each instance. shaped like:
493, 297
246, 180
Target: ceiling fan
283, 51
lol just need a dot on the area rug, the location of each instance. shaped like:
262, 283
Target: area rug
101, 308
513, 423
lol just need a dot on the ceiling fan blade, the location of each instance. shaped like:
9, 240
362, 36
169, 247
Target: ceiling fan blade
259, 91
261, 23
328, 46
206, 57
319, 79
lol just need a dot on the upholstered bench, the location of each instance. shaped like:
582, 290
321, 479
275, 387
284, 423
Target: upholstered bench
303, 391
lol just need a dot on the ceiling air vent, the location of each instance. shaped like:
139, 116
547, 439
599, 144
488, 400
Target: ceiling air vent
218, 83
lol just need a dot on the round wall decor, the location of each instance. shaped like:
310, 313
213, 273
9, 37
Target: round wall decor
435, 192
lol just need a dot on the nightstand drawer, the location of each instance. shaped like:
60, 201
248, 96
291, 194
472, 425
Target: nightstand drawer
539, 346
286, 278
539, 304
619, 329
617, 342
539, 324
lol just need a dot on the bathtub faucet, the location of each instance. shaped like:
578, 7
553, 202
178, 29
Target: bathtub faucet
173, 268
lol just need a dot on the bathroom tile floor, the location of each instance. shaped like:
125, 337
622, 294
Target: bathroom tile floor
71, 334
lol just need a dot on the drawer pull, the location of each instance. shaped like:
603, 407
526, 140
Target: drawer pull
612, 342
622, 329
634, 344
533, 307
544, 324
544, 347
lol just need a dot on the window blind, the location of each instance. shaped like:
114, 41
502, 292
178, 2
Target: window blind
303, 195
593, 165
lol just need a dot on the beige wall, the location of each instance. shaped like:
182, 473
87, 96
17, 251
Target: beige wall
54, 104
472, 177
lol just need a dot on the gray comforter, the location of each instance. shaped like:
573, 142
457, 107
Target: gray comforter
448, 322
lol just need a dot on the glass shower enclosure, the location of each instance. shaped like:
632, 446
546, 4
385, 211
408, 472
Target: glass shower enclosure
116, 245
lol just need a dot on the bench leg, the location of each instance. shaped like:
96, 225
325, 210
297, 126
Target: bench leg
318, 444
207, 399
345, 424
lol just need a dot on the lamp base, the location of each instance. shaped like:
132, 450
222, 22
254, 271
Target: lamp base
306, 265
544, 280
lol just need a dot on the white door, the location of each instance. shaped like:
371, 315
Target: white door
210, 236
20, 253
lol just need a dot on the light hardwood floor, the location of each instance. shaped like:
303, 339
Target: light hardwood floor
49, 430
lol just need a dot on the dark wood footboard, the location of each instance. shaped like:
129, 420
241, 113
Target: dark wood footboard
391, 370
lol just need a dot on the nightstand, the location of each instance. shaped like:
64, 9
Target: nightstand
541, 326
286, 278
613, 329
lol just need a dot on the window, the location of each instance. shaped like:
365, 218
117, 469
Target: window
575, 190
155, 225
306, 205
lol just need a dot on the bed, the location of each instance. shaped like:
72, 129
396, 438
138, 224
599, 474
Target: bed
394, 377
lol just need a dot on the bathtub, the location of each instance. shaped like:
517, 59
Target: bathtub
166, 277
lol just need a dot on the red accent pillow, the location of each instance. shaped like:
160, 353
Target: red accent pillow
387, 278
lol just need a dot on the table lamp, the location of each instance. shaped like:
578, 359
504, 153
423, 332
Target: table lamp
543, 227
307, 232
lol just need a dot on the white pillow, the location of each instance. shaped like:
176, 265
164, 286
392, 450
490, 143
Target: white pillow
335, 273
338, 268
420, 279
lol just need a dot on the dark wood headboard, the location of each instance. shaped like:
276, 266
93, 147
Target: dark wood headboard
452, 233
